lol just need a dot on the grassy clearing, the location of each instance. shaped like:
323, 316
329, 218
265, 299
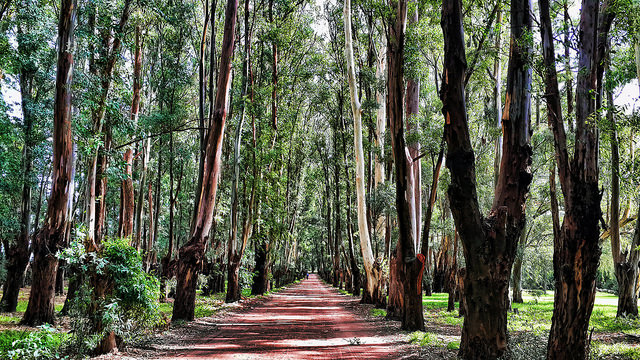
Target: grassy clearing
530, 325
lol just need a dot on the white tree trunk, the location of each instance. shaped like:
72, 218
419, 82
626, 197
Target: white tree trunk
637, 47
356, 108
381, 122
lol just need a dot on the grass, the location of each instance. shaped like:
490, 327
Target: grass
616, 351
533, 318
535, 314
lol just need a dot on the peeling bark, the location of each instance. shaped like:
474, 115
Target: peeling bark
51, 236
192, 253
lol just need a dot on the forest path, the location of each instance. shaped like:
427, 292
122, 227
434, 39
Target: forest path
308, 320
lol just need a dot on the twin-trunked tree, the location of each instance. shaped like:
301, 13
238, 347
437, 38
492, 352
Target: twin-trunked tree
489, 242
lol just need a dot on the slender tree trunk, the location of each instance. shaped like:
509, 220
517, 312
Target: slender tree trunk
424, 248
625, 263
146, 155
337, 208
516, 273
490, 243
235, 256
577, 239
166, 262
127, 209
497, 97
355, 270
192, 253
261, 274
96, 177
567, 64
126, 198
18, 252
373, 293
412, 100
51, 236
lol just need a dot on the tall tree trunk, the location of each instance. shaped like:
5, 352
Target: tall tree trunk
497, 97
166, 263
96, 178
373, 293
355, 270
567, 63
625, 263
516, 273
127, 210
146, 155
261, 273
577, 239
490, 243
192, 253
337, 238
125, 230
412, 99
424, 248
234, 257
410, 265
51, 236
18, 252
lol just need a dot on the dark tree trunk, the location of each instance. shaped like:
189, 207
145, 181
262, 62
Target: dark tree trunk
51, 237
234, 256
627, 276
17, 253
60, 275
410, 265
489, 243
17, 261
424, 248
516, 281
261, 276
576, 248
355, 270
192, 253
337, 209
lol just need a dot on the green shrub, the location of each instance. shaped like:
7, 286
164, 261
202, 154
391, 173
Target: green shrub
129, 307
7, 338
36, 345
424, 339
454, 345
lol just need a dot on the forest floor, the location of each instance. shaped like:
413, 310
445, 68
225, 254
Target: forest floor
308, 320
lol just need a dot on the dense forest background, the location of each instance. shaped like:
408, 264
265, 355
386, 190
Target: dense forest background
298, 186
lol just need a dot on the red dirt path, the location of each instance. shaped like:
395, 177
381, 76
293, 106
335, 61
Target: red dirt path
306, 321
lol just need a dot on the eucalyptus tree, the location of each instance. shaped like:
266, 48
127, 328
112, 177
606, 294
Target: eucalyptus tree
51, 237
192, 252
33, 63
618, 70
489, 243
576, 241
373, 293
102, 63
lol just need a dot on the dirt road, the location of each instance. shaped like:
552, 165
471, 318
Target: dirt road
309, 320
